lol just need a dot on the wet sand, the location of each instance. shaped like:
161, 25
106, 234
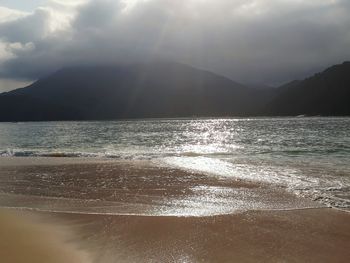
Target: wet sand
133, 188
314, 235
66, 211
291, 236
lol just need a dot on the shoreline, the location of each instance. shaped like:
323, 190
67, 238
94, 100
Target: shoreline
35, 210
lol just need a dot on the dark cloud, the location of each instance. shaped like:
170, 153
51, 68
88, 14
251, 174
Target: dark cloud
26, 29
250, 41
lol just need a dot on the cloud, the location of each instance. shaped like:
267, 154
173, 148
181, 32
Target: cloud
7, 14
248, 40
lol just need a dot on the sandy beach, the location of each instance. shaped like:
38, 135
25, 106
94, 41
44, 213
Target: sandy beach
317, 235
136, 212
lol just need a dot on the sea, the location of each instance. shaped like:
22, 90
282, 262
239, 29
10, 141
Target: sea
308, 156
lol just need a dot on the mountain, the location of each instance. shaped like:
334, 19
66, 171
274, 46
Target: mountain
326, 94
135, 91
165, 89
258, 86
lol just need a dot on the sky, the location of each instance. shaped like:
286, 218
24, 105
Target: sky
250, 41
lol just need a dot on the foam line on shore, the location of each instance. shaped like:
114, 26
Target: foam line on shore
166, 215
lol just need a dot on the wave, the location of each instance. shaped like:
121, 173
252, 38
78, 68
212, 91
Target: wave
24, 153
201, 154
330, 191
71, 154
107, 154
309, 152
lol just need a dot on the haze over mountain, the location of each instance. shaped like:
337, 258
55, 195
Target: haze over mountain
159, 89
165, 89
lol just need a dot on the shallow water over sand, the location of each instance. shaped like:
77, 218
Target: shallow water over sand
135, 188
309, 156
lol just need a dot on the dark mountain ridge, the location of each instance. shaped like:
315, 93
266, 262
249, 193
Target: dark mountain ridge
326, 94
167, 89
136, 91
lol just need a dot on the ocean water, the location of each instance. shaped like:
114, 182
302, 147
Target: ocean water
308, 156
